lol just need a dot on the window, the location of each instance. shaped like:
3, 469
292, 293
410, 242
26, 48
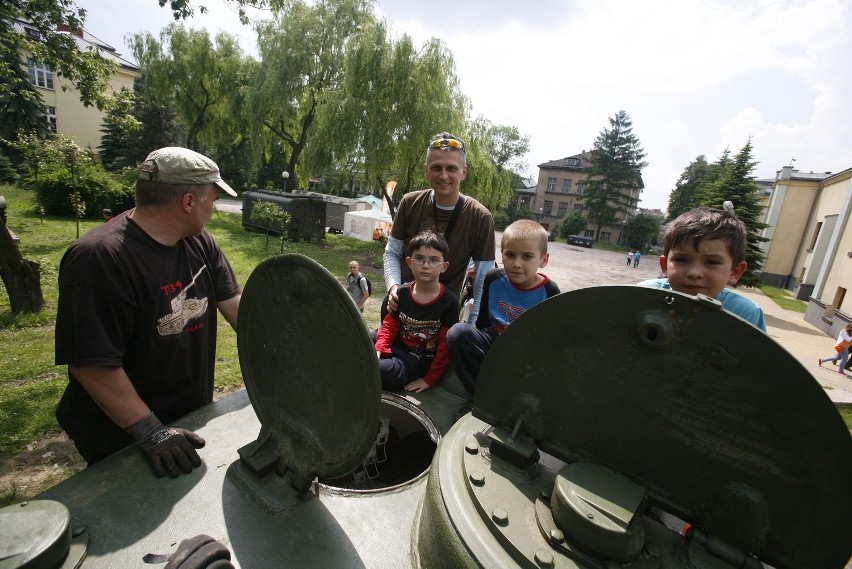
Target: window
839, 295
40, 75
581, 188
548, 207
572, 161
563, 209
815, 237
589, 233
605, 235
578, 207
566, 186
551, 185
50, 114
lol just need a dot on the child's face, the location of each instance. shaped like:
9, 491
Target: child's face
521, 260
426, 264
706, 271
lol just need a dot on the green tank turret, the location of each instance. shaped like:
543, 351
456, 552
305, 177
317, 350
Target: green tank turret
612, 427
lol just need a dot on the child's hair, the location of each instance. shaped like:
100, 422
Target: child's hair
428, 239
526, 229
707, 223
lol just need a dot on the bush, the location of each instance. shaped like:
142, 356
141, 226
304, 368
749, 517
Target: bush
8, 174
97, 188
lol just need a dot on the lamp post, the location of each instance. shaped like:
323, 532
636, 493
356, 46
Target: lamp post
284, 175
540, 214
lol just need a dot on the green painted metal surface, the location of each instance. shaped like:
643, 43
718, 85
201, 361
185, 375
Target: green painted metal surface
604, 401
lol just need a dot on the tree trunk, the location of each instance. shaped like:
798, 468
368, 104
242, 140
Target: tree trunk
21, 277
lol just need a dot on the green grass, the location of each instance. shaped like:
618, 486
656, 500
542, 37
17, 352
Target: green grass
30, 385
784, 298
846, 413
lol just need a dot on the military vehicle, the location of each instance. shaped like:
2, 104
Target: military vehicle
612, 427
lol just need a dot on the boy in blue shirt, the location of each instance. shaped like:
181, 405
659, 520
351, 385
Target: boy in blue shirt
703, 252
506, 294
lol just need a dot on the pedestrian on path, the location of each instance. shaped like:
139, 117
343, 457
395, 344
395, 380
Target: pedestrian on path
636, 256
844, 340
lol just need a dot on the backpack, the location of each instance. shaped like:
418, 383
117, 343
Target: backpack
369, 284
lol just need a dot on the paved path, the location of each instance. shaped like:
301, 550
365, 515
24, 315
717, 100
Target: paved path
577, 267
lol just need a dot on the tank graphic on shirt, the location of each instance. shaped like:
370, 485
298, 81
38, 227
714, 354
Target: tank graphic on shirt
183, 310
421, 335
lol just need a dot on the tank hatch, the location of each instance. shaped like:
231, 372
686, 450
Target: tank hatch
604, 413
311, 374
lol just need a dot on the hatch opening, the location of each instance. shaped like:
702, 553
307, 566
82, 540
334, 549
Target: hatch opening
406, 439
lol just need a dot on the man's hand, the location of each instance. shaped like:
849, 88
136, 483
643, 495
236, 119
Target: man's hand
166, 448
393, 298
200, 552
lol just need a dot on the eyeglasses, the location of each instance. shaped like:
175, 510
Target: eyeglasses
429, 262
448, 143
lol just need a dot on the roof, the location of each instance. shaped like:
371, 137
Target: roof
577, 162
85, 42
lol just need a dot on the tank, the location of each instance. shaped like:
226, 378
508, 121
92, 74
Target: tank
612, 427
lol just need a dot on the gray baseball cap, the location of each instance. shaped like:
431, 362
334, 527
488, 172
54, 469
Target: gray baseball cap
176, 165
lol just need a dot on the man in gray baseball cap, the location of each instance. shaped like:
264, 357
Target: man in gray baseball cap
136, 322
176, 165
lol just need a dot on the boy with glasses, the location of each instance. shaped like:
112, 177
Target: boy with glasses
466, 224
412, 343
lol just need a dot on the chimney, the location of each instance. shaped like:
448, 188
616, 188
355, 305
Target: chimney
67, 28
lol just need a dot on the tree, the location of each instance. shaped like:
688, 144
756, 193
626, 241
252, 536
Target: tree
201, 77
21, 106
272, 215
615, 172
689, 188
302, 60
124, 145
572, 224
118, 132
642, 230
85, 69
736, 183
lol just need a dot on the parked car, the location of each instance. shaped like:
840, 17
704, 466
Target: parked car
580, 240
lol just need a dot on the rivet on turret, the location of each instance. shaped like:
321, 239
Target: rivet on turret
477, 478
500, 516
556, 536
544, 558
471, 446
590, 515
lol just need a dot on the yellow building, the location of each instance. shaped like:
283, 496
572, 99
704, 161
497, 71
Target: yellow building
810, 243
65, 112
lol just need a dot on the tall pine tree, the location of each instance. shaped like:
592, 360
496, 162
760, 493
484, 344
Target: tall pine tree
736, 184
615, 174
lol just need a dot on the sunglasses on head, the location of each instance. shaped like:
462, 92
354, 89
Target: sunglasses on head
447, 143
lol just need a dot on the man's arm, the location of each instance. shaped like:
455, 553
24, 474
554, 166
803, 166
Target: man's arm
229, 309
482, 267
166, 448
112, 391
392, 260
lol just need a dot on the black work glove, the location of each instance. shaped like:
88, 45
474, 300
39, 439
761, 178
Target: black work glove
200, 552
166, 448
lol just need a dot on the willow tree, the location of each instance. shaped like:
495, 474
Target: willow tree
202, 77
302, 58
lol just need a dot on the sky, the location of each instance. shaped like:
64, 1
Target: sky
695, 76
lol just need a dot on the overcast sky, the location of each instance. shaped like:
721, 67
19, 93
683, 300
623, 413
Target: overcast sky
695, 76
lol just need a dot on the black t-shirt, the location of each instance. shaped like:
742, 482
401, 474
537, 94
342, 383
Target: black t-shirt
127, 300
